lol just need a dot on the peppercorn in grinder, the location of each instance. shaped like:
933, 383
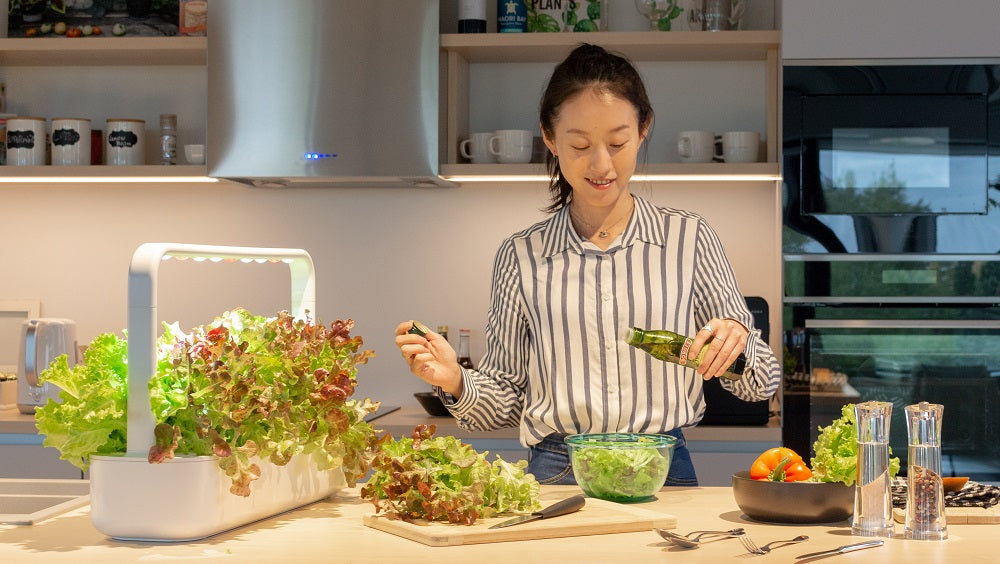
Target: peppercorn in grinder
925, 518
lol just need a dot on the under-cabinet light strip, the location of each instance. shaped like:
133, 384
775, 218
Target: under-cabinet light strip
637, 178
104, 179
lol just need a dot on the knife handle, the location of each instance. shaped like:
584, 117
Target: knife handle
860, 545
563, 507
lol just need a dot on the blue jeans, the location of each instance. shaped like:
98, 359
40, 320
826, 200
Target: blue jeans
549, 462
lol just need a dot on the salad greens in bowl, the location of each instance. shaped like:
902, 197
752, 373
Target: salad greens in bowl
621, 467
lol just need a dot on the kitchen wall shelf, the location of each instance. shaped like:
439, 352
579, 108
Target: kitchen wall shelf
103, 51
763, 171
460, 51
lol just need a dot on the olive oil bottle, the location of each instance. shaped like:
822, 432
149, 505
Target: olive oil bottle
672, 347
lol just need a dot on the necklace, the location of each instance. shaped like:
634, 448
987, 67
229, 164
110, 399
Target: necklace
603, 233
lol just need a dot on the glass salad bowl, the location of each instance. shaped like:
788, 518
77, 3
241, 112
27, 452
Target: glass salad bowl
621, 467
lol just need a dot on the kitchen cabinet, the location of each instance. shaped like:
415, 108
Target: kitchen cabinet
99, 78
461, 53
889, 29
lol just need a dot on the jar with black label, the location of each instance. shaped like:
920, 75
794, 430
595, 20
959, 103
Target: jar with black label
472, 16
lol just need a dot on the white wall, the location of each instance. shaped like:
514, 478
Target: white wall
382, 255
890, 29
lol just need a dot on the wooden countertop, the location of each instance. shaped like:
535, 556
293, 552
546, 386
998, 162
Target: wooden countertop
333, 529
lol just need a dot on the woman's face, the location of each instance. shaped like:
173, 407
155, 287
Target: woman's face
596, 137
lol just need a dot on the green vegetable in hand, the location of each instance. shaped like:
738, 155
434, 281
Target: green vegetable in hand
836, 451
444, 479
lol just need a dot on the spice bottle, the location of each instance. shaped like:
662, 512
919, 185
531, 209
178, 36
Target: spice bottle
674, 347
168, 139
872, 490
925, 519
464, 356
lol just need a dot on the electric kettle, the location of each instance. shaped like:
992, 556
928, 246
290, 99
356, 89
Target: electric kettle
42, 341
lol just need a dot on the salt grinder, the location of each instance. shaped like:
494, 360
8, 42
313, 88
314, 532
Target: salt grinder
925, 519
872, 493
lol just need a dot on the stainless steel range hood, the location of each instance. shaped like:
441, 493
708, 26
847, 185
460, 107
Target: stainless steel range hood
314, 92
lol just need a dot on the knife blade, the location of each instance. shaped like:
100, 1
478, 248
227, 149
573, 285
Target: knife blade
843, 549
563, 507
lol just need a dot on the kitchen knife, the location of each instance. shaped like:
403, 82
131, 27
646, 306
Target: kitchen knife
563, 507
843, 549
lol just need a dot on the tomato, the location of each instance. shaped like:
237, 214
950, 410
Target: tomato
97, 30
73, 32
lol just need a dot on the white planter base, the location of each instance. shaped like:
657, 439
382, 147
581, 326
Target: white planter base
188, 498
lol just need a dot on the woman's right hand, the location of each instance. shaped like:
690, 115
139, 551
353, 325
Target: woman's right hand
431, 358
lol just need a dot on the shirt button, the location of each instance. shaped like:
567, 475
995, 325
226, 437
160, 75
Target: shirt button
612, 389
609, 345
606, 297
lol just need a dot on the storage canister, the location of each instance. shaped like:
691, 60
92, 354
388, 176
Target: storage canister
70, 141
123, 141
26, 141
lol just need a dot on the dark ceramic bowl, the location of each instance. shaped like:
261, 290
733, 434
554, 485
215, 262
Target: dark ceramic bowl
792, 502
432, 404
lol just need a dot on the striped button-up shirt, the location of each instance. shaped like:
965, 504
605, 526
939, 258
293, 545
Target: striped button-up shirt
556, 360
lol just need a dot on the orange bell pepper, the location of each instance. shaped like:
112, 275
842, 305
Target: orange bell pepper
780, 464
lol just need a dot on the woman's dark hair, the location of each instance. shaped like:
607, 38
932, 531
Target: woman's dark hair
588, 66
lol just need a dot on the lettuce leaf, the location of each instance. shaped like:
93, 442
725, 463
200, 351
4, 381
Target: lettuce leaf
444, 479
620, 473
836, 451
240, 387
91, 418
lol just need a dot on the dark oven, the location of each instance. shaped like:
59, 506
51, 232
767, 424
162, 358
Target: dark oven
891, 241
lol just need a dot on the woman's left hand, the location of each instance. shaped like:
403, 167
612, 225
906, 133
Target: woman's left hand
726, 339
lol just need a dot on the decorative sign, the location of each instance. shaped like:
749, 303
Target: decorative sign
564, 15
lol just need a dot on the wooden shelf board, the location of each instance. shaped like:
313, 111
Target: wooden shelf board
102, 170
102, 51
638, 46
701, 169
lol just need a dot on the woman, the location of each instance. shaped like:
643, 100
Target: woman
566, 289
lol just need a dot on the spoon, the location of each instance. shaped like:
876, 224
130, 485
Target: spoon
687, 542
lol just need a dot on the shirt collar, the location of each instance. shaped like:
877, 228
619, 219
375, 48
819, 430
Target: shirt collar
645, 225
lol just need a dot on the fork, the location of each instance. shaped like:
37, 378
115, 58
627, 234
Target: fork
752, 547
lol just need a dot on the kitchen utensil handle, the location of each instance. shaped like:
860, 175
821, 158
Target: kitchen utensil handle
563, 507
843, 549
861, 545
142, 317
31, 354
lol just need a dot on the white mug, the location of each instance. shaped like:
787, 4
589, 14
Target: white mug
477, 148
740, 147
123, 142
512, 145
26, 141
70, 141
696, 146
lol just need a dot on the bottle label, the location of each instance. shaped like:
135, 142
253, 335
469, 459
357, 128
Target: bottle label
512, 16
472, 9
683, 358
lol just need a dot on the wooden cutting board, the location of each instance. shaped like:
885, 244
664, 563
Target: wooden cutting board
961, 515
595, 518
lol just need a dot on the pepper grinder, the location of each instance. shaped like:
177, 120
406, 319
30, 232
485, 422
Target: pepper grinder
872, 492
925, 519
